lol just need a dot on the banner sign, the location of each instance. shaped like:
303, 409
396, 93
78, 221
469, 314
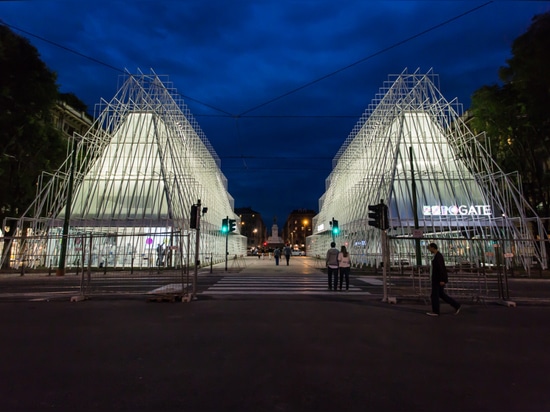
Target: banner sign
455, 210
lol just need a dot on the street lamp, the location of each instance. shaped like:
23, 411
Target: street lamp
255, 231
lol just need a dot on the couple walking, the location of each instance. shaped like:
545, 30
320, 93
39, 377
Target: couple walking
286, 251
337, 262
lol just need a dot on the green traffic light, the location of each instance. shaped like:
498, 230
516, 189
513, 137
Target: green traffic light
225, 225
335, 227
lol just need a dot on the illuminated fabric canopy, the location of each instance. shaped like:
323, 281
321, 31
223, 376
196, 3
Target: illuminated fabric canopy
413, 150
131, 180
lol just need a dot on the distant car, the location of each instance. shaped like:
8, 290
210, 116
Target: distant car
298, 253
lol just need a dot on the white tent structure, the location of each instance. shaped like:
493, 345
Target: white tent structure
413, 150
130, 182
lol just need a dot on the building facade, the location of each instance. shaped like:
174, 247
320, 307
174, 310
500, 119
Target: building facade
252, 226
298, 227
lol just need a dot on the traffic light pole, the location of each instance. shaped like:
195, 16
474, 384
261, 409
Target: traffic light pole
415, 210
385, 260
197, 245
226, 242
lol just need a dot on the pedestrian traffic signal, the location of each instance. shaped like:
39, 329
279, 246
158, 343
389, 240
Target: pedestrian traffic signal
232, 225
193, 218
225, 225
378, 216
335, 228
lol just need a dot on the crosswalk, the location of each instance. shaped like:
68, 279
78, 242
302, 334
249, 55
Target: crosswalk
275, 285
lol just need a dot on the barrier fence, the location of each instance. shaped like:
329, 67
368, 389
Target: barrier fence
477, 273
103, 264
106, 264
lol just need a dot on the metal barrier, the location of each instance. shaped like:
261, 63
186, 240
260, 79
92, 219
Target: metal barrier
471, 285
157, 264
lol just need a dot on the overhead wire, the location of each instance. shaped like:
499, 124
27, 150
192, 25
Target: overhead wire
295, 90
110, 66
399, 43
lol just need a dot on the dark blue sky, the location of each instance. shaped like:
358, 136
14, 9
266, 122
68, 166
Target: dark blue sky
276, 85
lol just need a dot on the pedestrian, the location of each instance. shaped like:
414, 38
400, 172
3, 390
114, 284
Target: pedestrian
438, 277
277, 255
344, 264
288, 252
332, 266
160, 255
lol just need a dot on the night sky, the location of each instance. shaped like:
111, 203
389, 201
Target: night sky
275, 85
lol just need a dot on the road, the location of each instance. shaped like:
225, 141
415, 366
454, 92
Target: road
257, 349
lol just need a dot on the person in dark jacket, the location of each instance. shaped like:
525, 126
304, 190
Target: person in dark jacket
332, 265
438, 277
277, 255
288, 252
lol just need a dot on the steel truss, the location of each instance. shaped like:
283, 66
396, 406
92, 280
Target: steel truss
137, 171
412, 149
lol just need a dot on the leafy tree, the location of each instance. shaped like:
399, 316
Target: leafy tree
516, 114
30, 142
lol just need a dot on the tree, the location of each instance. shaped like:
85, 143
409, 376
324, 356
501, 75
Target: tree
515, 115
30, 142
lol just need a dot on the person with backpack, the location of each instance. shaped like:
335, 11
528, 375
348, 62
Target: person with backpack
277, 255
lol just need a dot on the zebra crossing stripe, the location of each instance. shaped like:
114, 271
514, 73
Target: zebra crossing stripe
258, 285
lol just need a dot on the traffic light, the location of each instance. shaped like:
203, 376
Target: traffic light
378, 216
193, 218
225, 225
232, 225
374, 216
385, 221
335, 228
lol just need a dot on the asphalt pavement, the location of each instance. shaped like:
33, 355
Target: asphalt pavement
329, 352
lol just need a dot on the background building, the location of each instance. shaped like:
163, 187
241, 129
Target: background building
69, 120
298, 227
252, 226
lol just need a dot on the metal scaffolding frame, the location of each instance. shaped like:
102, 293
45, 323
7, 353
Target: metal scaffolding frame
134, 175
412, 147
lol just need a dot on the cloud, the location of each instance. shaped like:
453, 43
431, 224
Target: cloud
301, 73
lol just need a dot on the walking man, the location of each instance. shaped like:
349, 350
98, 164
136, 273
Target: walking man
288, 252
438, 276
277, 255
332, 266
